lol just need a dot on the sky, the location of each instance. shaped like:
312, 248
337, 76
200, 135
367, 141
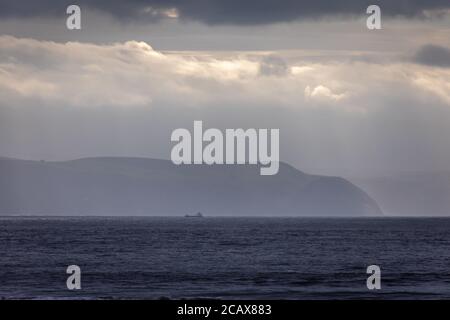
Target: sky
347, 100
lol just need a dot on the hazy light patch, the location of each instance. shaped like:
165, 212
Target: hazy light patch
323, 93
19, 82
434, 81
133, 74
171, 13
234, 69
298, 70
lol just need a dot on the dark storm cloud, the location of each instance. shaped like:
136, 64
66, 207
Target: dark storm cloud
246, 12
433, 55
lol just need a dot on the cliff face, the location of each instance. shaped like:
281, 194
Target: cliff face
139, 186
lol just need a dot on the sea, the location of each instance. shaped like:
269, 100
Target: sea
224, 257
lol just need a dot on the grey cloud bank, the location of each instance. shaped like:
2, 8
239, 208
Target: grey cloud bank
70, 100
433, 55
251, 12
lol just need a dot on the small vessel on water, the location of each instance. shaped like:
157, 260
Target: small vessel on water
197, 215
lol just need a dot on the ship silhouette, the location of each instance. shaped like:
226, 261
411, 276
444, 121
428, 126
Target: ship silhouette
197, 215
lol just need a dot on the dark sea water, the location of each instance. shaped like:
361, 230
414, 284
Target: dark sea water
224, 258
